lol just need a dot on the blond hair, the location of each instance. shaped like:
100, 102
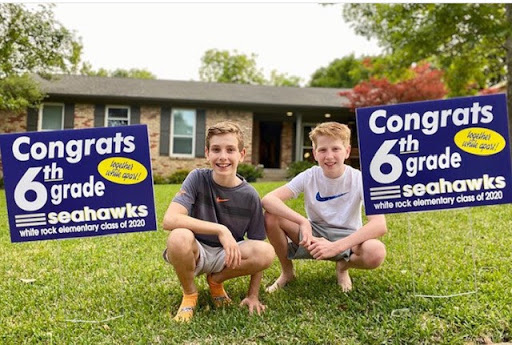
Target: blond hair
331, 129
225, 127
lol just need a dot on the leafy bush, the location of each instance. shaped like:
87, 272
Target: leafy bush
297, 167
178, 176
249, 172
159, 179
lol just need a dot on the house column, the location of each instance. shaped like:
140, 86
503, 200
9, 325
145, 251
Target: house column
298, 138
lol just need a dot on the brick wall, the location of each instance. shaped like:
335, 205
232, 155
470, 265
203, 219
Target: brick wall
84, 116
149, 115
287, 144
11, 123
164, 165
255, 143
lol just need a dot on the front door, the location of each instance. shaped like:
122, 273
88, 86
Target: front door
270, 144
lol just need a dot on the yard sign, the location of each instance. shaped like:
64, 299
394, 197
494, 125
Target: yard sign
433, 155
78, 183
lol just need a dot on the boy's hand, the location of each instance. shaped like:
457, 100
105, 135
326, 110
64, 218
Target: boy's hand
254, 304
306, 234
321, 248
233, 255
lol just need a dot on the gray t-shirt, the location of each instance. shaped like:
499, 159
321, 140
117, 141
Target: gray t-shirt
238, 208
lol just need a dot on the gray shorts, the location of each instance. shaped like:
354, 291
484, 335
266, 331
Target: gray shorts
211, 259
332, 234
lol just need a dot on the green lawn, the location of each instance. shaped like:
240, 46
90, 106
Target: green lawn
118, 290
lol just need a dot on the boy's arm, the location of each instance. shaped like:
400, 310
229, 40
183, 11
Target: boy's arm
252, 299
374, 228
273, 203
177, 216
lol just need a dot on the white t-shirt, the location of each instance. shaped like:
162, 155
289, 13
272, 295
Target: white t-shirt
331, 202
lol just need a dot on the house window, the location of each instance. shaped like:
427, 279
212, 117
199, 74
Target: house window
307, 144
116, 115
51, 117
183, 129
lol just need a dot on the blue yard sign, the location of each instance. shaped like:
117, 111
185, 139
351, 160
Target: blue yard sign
433, 155
78, 183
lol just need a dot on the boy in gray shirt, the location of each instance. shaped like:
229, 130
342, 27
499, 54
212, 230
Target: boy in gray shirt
208, 219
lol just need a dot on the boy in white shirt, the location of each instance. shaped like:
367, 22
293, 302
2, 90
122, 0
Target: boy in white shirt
333, 229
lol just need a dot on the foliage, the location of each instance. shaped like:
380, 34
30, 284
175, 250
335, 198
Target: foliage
33, 41
296, 168
249, 172
17, 92
426, 84
224, 67
159, 179
89, 291
136, 73
178, 176
345, 72
464, 40
283, 79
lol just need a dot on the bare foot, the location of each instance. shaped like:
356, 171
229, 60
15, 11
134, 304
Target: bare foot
280, 283
344, 280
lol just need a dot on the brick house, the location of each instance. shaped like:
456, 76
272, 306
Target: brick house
276, 120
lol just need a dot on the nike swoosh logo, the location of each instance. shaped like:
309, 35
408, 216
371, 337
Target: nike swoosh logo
327, 198
221, 200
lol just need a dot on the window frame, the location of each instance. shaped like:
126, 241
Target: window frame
115, 106
41, 112
172, 135
305, 148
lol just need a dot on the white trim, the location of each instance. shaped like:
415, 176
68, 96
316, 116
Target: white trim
114, 106
304, 135
172, 136
40, 116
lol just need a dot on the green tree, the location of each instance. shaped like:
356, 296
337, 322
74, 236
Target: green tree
32, 41
137, 73
283, 79
346, 72
224, 67
17, 92
471, 43
464, 40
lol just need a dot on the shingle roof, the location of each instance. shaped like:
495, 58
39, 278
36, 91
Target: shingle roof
187, 91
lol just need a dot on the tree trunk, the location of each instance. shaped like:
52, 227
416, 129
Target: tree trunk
508, 47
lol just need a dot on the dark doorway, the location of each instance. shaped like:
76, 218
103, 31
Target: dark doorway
270, 144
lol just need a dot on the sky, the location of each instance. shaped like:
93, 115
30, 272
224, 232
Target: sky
169, 39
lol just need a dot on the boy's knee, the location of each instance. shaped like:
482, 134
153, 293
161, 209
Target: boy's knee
180, 241
264, 252
375, 253
271, 221
268, 254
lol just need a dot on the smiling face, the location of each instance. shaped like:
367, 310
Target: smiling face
224, 156
331, 153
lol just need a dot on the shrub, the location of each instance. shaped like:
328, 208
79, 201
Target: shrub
178, 176
297, 167
249, 172
159, 179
